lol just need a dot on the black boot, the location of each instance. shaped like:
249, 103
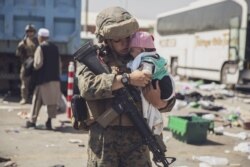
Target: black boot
30, 124
48, 124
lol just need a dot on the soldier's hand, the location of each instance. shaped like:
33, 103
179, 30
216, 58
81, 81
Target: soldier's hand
139, 78
21, 50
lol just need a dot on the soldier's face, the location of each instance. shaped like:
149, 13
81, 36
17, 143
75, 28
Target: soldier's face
30, 33
121, 46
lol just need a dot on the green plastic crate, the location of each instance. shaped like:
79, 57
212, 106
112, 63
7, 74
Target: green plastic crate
189, 129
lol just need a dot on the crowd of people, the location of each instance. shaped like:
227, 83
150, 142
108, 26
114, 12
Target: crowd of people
131, 60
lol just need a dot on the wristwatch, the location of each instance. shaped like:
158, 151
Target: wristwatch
125, 79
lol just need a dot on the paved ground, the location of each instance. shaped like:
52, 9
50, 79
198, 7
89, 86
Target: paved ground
66, 146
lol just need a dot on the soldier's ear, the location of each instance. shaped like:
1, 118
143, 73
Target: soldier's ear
108, 42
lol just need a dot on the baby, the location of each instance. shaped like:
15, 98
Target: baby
146, 59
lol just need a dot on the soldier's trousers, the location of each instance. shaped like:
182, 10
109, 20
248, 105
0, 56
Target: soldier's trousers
24, 85
116, 146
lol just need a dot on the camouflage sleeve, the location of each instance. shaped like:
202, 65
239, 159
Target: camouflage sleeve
20, 49
93, 87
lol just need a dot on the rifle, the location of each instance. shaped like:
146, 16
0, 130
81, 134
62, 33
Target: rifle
124, 102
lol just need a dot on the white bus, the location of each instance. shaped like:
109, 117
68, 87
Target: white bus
209, 39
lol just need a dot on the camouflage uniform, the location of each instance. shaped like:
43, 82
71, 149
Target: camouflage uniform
25, 49
119, 144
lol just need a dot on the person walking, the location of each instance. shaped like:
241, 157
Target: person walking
25, 51
118, 144
47, 69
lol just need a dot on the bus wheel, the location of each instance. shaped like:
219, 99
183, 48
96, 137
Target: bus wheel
224, 76
224, 73
174, 66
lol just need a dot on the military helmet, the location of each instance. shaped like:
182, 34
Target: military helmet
115, 23
30, 27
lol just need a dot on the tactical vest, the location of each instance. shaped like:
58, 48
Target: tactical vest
30, 46
50, 69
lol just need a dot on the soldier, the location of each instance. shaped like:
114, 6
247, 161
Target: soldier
119, 144
25, 50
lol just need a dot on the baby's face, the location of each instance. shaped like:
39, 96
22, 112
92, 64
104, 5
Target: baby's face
135, 51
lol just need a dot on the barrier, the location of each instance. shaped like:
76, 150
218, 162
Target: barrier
71, 70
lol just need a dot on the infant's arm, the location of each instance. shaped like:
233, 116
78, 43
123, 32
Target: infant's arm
147, 67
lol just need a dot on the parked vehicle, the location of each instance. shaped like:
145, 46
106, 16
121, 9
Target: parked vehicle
61, 17
208, 40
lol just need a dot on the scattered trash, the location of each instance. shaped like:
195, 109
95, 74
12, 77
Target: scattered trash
208, 98
227, 151
75, 141
15, 130
81, 145
23, 114
166, 139
219, 130
246, 124
10, 164
185, 86
241, 135
219, 96
5, 102
208, 105
10, 110
179, 104
211, 160
212, 86
233, 117
210, 117
50, 145
246, 101
236, 123
235, 165
203, 164
65, 121
226, 93
189, 97
243, 147
59, 165
194, 105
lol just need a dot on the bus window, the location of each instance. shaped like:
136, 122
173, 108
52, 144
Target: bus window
211, 40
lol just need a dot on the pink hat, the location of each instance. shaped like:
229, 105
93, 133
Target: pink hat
142, 40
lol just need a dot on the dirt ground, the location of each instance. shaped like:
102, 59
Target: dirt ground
67, 147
